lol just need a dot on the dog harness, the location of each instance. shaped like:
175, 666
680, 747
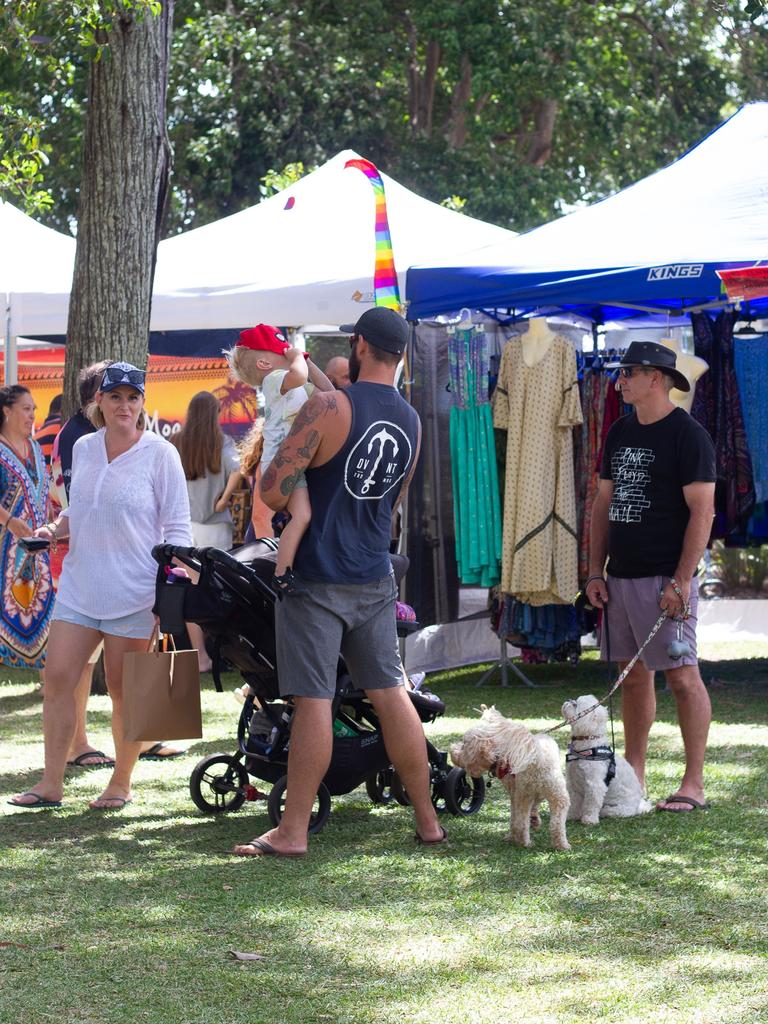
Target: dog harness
500, 770
600, 753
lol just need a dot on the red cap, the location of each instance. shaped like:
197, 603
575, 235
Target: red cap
263, 338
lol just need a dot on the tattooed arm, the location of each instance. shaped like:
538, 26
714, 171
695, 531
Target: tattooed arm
299, 448
318, 378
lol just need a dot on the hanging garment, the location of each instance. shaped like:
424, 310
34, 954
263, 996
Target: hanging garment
476, 505
546, 633
589, 447
27, 597
717, 406
538, 405
750, 360
613, 409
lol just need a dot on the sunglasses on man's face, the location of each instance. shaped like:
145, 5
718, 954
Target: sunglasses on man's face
629, 371
353, 340
117, 375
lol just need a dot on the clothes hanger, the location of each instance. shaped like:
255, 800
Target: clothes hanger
465, 319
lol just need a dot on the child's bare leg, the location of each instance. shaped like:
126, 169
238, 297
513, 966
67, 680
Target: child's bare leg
301, 515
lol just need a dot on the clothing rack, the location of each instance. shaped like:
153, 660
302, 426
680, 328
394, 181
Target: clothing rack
503, 665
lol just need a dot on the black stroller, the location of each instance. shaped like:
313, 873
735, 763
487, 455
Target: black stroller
234, 604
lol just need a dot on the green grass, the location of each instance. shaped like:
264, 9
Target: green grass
127, 918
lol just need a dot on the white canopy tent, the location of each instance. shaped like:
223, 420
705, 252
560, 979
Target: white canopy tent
305, 255
35, 279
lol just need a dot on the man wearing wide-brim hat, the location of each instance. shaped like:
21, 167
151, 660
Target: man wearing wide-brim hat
652, 519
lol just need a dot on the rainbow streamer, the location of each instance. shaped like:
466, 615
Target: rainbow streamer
385, 288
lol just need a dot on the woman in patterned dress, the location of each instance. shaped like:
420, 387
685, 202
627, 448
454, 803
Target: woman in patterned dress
27, 596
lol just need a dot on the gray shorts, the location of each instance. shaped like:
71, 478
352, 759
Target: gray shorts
632, 610
354, 620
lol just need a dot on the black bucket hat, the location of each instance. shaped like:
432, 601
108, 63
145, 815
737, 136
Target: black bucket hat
655, 357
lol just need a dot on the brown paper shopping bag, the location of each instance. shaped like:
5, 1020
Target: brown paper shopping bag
161, 693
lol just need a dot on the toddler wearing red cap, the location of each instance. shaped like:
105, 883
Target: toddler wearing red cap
263, 358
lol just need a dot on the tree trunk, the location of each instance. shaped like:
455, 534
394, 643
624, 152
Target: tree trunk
421, 86
456, 129
123, 191
540, 148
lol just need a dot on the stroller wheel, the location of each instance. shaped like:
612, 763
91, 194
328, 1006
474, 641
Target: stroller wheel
217, 784
463, 794
378, 786
321, 808
438, 798
398, 790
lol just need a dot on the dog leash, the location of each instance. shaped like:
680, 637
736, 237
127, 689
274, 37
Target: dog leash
630, 665
610, 670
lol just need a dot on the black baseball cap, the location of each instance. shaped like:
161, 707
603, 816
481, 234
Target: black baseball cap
382, 327
656, 357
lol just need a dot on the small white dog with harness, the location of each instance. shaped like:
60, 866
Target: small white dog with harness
601, 784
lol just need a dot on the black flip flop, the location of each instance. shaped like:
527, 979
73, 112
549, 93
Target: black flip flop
265, 849
432, 842
153, 754
678, 798
82, 760
117, 803
37, 804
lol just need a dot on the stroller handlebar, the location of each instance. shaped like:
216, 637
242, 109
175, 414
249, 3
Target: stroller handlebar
164, 554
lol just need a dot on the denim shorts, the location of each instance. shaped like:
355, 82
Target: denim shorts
327, 619
137, 626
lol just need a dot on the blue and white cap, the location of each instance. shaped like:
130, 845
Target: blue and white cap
117, 374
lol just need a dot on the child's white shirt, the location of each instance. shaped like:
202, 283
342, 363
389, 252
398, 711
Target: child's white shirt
279, 412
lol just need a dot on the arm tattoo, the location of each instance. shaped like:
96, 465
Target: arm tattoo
269, 477
281, 460
287, 485
311, 443
307, 414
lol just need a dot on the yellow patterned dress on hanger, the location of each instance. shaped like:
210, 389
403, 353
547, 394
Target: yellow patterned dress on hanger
538, 406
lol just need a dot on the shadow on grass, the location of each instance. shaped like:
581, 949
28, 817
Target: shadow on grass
372, 928
10, 703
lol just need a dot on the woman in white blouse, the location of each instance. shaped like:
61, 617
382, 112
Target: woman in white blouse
128, 493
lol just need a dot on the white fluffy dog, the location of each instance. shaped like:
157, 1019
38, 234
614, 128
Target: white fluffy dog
527, 765
598, 790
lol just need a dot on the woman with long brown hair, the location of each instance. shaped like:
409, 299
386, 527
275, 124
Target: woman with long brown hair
212, 468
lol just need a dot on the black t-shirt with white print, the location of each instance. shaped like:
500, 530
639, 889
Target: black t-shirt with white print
649, 464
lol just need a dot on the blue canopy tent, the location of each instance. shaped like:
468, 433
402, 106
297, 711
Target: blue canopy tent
654, 246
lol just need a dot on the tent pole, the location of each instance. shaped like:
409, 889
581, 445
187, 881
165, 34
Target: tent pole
11, 360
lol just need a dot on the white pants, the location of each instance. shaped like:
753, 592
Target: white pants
212, 535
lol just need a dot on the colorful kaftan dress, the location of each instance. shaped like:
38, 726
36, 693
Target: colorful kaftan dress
27, 597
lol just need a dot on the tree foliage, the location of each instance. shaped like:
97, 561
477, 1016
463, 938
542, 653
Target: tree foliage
45, 49
515, 110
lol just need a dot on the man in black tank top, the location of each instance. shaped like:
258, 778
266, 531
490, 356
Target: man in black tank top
357, 449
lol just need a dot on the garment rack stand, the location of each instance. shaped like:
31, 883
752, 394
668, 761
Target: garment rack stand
503, 665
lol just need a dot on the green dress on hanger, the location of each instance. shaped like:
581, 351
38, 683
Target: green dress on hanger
476, 501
